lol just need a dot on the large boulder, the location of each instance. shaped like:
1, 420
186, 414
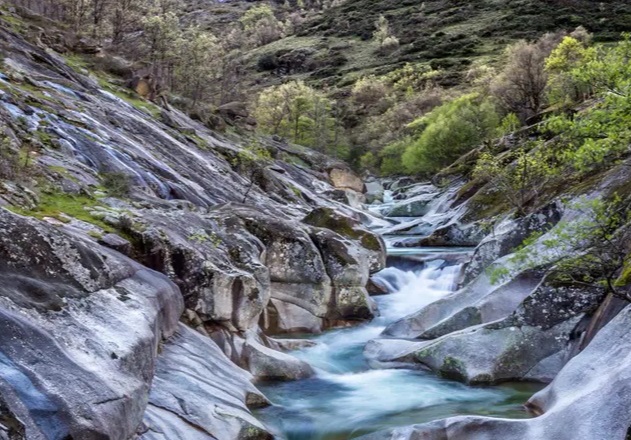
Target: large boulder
533, 342
81, 328
346, 179
509, 235
416, 206
479, 302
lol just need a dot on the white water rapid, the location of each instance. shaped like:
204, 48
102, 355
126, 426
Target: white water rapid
346, 398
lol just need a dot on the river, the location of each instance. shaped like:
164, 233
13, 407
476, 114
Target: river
347, 398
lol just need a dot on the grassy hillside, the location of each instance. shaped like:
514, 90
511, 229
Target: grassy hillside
335, 47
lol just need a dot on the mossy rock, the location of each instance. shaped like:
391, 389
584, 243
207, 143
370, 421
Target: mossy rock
347, 227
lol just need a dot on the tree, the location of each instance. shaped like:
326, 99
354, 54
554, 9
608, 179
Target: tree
601, 134
383, 35
563, 87
590, 250
449, 131
199, 66
369, 92
161, 35
521, 86
298, 112
261, 26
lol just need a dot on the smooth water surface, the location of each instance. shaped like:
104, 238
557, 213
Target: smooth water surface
346, 398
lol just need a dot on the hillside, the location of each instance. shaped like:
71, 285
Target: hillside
448, 35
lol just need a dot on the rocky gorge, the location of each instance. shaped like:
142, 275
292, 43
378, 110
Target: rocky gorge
158, 284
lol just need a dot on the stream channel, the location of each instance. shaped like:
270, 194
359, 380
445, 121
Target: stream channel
347, 398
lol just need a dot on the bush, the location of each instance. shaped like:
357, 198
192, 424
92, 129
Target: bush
117, 184
267, 62
449, 131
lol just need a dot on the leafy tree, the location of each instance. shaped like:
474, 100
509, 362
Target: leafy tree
199, 66
563, 87
521, 86
383, 35
261, 26
449, 131
369, 92
368, 161
298, 112
601, 134
161, 35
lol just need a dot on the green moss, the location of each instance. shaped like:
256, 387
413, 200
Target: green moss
625, 277
54, 204
453, 368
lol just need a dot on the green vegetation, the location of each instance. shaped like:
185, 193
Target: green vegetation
55, 205
117, 184
590, 250
251, 161
450, 131
299, 113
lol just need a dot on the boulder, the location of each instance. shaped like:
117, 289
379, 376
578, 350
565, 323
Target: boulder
416, 206
588, 399
479, 302
346, 179
268, 364
372, 244
374, 191
198, 392
81, 327
509, 235
532, 342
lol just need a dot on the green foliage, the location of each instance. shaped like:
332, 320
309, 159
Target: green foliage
564, 87
529, 168
391, 155
601, 134
509, 124
590, 249
298, 112
117, 184
449, 131
368, 161
250, 162
261, 25
55, 204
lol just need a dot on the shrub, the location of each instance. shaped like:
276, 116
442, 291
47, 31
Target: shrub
117, 184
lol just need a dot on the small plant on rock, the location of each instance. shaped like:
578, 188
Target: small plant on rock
250, 162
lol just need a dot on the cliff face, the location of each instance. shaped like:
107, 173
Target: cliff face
121, 218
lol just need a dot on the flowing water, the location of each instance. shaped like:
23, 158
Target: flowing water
347, 398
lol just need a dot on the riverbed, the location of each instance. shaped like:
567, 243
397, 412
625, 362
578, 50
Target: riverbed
348, 397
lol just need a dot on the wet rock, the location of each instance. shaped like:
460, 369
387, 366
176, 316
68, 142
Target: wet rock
509, 235
81, 328
591, 394
479, 302
192, 370
117, 243
374, 191
268, 364
416, 206
533, 341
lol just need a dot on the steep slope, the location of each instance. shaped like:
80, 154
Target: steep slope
118, 216
335, 47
